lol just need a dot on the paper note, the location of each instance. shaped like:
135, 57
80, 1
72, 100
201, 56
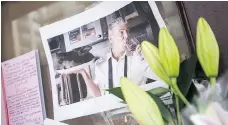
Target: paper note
52, 122
4, 118
22, 90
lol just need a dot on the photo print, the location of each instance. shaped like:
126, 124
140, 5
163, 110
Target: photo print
89, 52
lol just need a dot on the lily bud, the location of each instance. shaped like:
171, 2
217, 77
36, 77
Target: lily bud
207, 48
151, 54
142, 106
169, 54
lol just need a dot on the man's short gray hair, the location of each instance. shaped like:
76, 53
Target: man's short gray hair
115, 23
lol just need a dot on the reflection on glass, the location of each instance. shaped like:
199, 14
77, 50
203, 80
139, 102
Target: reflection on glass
25, 29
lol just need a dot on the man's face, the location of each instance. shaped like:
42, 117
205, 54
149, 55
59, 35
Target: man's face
60, 60
119, 36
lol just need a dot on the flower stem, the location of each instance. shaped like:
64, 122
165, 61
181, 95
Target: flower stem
178, 110
212, 81
177, 91
212, 89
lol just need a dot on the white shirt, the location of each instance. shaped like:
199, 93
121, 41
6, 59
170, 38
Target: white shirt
137, 71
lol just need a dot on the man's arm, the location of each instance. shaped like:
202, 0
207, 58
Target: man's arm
89, 82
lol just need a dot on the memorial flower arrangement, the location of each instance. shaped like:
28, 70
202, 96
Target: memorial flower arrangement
208, 107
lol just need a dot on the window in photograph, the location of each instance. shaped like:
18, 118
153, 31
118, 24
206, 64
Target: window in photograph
88, 30
75, 35
54, 45
129, 11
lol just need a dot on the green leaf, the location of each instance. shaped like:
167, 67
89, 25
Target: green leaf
187, 70
166, 114
117, 92
156, 91
159, 91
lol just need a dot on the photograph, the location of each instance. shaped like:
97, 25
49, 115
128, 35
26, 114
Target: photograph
88, 59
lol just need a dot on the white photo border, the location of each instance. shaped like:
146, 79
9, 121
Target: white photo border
98, 104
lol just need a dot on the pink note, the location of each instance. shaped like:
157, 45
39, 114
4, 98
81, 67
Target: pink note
4, 113
22, 90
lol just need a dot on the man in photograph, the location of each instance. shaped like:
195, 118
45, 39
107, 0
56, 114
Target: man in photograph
118, 63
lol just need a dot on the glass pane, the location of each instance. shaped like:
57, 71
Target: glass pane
26, 29
170, 14
26, 37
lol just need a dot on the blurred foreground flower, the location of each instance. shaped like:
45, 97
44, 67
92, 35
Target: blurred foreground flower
207, 49
214, 115
205, 111
142, 106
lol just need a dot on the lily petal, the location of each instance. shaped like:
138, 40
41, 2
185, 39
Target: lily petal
151, 54
142, 106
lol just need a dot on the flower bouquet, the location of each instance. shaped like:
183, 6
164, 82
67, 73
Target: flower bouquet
203, 106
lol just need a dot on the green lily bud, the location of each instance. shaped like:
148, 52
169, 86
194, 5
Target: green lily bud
151, 54
169, 54
142, 106
207, 48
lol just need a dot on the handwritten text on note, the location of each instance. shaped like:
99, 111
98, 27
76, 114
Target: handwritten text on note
22, 90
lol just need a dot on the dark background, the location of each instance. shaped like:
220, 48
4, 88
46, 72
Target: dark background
216, 15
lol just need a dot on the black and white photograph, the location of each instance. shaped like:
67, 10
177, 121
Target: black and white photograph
90, 58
